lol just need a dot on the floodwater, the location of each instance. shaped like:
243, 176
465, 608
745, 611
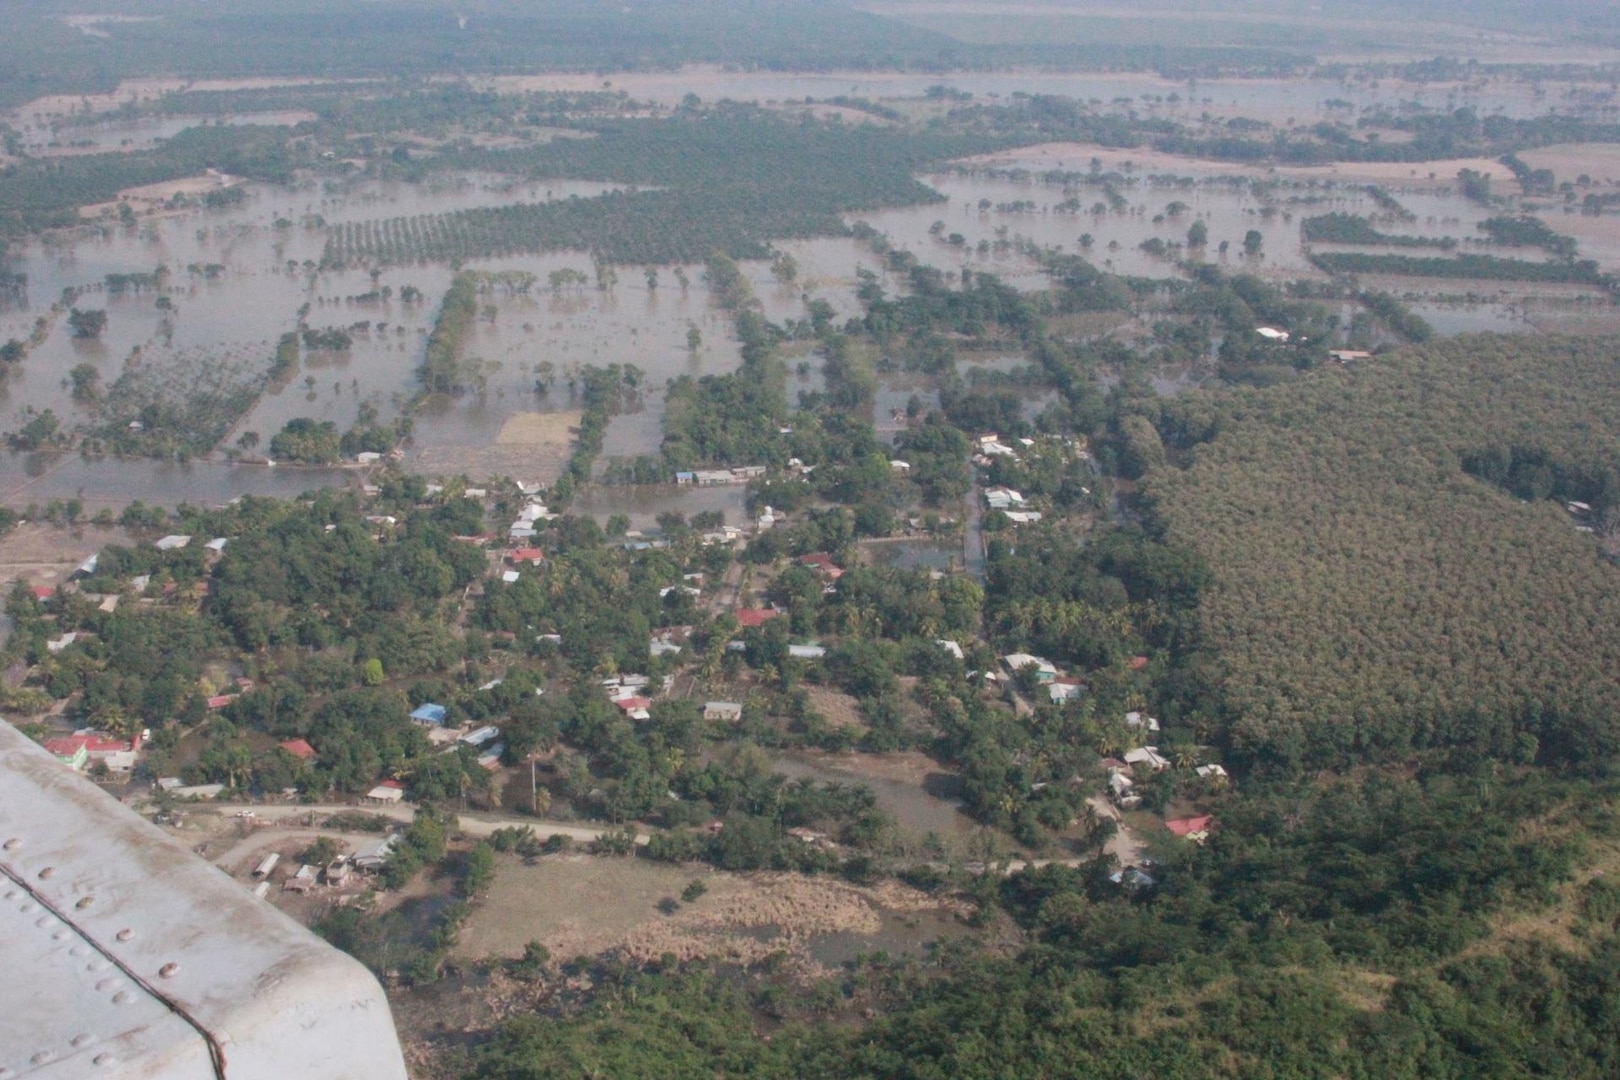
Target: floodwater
914, 806
916, 554
643, 503
113, 483
902, 934
240, 277
45, 138
987, 223
1277, 100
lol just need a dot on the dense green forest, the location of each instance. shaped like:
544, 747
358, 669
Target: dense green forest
1370, 595
1339, 228
1463, 267
1322, 937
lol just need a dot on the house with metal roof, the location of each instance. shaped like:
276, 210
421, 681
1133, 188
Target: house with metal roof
429, 715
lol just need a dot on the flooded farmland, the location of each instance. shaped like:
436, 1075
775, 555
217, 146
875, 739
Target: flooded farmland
234, 279
909, 787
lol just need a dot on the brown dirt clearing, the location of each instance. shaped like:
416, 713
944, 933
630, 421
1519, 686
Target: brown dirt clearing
551, 431
836, 707
532, 446
581, 905
42, 554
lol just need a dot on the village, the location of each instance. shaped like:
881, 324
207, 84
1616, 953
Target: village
319, 850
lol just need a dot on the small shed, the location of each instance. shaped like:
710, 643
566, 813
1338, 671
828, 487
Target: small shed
728, 711
372, 856
480, 736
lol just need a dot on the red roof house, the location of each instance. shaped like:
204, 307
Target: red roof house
630, 704
43, 592
299, 749
65, 747
526, 555
755, 616
1191, 826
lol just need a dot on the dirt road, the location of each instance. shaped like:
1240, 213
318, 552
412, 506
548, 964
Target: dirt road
309, 818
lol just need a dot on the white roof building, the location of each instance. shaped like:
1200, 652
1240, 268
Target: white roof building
1045, 670
372, 856
1062, 690
1149, 756
1138, 721
172, 543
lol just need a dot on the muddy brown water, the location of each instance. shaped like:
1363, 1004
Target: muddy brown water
928, 805
267, 249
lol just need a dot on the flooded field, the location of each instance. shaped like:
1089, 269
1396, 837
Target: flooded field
643, 504
917, 793
231, 281
916, 554
1277, 100
44, 138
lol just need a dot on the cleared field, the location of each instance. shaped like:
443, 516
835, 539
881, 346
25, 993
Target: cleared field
553, 432
582, 905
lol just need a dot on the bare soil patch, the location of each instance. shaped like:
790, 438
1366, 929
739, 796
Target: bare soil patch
43, 554
550, 431
154, 195
836, 707
534, 446
148, 89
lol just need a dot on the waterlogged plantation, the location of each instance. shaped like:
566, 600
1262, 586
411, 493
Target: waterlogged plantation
450, 293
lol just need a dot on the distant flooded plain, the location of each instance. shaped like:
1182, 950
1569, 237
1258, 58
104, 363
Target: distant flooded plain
237, 278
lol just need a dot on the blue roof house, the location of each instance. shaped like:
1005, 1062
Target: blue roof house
430, 715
